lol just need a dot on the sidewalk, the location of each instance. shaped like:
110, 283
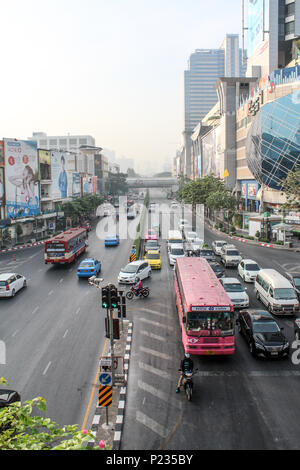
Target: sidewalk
251, 242
111, 435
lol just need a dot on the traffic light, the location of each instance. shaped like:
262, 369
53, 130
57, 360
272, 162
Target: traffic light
105, 297
113, 296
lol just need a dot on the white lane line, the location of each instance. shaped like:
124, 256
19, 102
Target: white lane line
61, 280
66, 332
151, 424
15, 333
154, 312
156, 353
152, 335
155, 323
153, 370
51, 292
77, 311
251, 373
35, 310
45, 371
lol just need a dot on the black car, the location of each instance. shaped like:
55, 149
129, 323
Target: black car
217, 268
262, 333
297, 329
7, 397
294, 279
207, 254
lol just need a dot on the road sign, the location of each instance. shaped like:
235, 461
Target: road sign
105, 378
105, 396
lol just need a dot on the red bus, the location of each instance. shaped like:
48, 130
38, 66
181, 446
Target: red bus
206, 313
66, 247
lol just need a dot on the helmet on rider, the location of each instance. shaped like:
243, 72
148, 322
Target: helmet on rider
137, 279
187, 355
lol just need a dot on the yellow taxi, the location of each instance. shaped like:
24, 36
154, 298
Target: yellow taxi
154, 259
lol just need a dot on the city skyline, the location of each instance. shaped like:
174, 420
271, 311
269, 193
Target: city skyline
122, 83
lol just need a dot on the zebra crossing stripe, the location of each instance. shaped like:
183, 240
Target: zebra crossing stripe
105, 396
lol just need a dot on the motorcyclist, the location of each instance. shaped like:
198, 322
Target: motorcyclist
186, 365
138, 286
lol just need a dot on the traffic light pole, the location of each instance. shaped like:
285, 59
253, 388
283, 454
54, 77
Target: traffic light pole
110, 311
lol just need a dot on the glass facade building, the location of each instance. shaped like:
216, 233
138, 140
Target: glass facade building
273, 141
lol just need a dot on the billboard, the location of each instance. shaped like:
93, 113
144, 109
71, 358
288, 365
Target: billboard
44, 164
210, 156
76, 185
255, 24
21, 178
1, 172
59, 166
87, 185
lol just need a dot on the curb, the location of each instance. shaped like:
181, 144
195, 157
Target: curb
118, 425
21, 247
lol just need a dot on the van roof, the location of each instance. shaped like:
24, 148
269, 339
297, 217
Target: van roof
275, 278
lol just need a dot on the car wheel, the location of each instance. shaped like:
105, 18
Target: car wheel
269, 308
239, 328
257, 295
252, 350
25, 283
13, 293
149, 275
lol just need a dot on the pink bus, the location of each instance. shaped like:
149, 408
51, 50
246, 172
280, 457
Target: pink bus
205, 311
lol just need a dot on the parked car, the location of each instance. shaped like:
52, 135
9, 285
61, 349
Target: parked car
154, 259
294, 279
276, 292
151, 245
262, 333
112, 240
176, 251
236, 292
208, 254
248, 270
217, 268
7, 397
140, 268
230, 256
297, 329
89, 267
217, 246
11, 283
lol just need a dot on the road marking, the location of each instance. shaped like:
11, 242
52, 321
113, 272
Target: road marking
158, 393
251, 373
155, 371
155, 323
152, 335
45, 371
61, 280
15, 333
77, 311
156, 353
51, 292
154, 312
66, 332
151, 424
35, 310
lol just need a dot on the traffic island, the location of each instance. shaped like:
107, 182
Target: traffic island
108, 421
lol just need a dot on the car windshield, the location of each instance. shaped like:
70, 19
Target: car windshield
232, 253
234, 287
265, 327
175, 241
89, 264
285, 294
153, 243
252, 267
129, 269
153, 256
177, 251
297, 281
207, 253
216, 267
220, 243
210, 323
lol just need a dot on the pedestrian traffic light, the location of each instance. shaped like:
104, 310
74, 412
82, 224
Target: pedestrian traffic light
105, 297
113, 296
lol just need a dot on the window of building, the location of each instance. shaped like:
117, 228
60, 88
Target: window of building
290, 28
290, 9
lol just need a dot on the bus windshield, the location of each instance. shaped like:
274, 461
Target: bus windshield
208, 323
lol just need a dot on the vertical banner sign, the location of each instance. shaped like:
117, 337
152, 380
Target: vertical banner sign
21, 178
59, 166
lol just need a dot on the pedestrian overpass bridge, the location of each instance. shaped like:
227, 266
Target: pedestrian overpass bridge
145, 182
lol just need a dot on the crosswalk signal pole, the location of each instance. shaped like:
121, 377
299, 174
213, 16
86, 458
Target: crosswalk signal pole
111, 324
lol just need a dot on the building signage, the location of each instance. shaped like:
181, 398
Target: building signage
210, 309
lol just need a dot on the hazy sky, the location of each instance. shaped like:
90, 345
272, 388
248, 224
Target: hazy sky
112, 69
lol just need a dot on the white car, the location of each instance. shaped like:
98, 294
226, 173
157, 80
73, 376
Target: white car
230, 256
133, 270
236, 292
191, 237
176, 251
248, 270
217, 246
11, 283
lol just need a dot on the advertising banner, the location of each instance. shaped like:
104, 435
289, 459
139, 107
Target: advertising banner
252, 190
255, 24
76, 185
1, 153
44, 164
210, 156
1, 186
21, 178
87, 185
94, 184
59, 166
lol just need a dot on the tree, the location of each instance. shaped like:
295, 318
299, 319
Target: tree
117, 184
132, 174
22, 429
291, 187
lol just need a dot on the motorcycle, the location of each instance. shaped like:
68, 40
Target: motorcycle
144, 292
188, 383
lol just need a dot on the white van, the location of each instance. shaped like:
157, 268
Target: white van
174, 238
276, 292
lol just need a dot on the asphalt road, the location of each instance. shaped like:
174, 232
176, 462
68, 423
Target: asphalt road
239, 402
54, 329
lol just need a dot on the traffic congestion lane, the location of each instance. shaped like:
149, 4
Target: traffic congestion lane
230, 408
54, 330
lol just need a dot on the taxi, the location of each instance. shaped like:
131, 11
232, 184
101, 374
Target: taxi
154, 259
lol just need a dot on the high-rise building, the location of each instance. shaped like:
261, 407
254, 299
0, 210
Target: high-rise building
66, 142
